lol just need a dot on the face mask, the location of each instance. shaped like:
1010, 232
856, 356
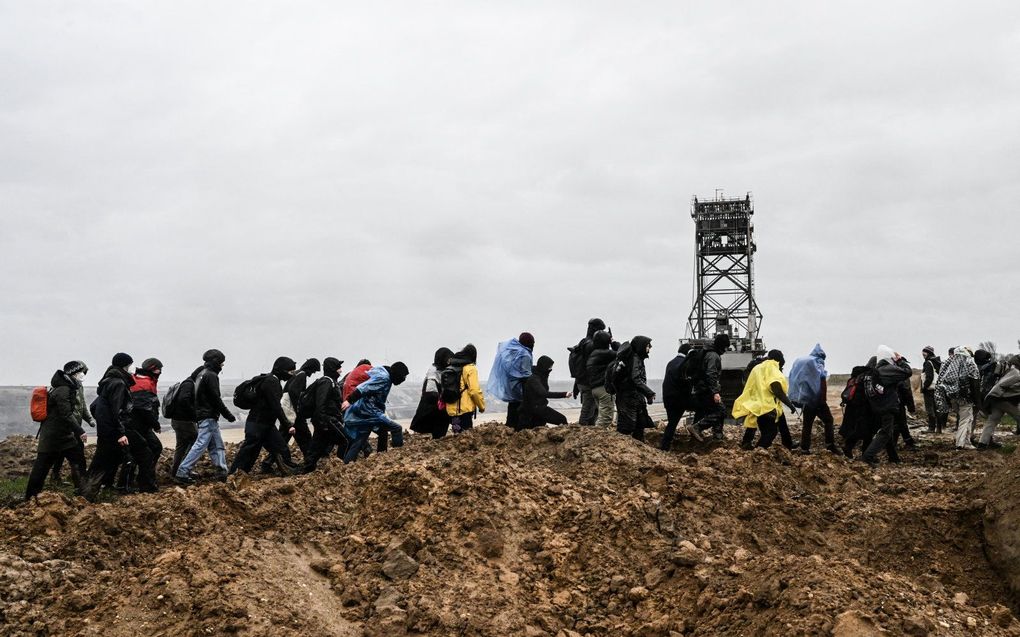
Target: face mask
80, 376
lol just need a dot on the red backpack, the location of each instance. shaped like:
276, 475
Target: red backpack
38, 406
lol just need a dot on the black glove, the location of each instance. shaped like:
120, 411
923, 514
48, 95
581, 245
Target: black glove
651, 399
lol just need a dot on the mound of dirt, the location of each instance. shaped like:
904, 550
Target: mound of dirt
561, 532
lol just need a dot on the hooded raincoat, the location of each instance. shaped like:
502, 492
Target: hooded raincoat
757, 398
370, 409
510, 369
806, 378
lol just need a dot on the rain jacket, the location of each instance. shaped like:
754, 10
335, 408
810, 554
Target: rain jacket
369, 410
757, 398
471, 396
807, 378
510, 369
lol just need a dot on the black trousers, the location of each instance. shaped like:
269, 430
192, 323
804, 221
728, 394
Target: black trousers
186, 433
512, 414
58, 465
709, 414
103, 469
769, 427
589, 406
540, 418
44, 461
144, 448
325, 439
302, 435
632, 414
883, 439
674, 413
257, 436
901, 429
822, 412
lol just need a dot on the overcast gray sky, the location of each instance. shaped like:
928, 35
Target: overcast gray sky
381, 179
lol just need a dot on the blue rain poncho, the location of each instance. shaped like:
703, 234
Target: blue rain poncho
510, 369
806, 376
370, 410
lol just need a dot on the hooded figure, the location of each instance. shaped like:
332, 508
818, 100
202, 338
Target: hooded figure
535, 410
60, 435
143, 443
633, 395
366, 411
293, 387
808, 388
209, 407
891, 370
260, 428
957, 390
578, 363
929, 377
325, 397
510, 368
761, 402
1003, 398
112, 410
430, 418
471, 398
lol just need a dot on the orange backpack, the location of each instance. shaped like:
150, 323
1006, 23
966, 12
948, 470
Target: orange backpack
39, 403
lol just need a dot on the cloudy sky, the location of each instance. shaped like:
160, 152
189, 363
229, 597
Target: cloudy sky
380, 179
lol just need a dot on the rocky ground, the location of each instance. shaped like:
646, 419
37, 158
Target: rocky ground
559, 532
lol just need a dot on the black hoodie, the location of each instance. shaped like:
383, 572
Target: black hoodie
600, 358
536, 390
112, 407
633, 356
208, 402
60, 431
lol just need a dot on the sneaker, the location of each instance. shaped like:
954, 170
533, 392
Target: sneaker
695, 433
185, 481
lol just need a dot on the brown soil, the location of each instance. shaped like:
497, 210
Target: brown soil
565, 531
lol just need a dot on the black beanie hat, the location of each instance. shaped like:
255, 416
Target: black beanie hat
122, 360
73, 367
152, 364
330, 366
214, 356
284, 364
311, 366
398, 372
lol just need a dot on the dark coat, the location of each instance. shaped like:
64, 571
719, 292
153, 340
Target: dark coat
598, 362
295, 386
890, 375
184, 406
675, 388
327, 401
208, 402
144, 403
267, 409
536, 395
931, 365
61, 430
858, 417
112, 407
635, 378
429, 418
706, 383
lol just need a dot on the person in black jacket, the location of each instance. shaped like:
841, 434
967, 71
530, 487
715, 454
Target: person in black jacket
582, 384
602, 356
931, 367
676, 394
900, 428
326, 418
184, 421
429, 418
292, 389
60, 435
633, 395
709, 410
260, 427
535, 410
144, 446
112, 410
208, 409
859, 422
892, 369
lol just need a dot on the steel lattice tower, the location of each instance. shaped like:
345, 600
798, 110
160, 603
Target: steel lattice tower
724, 272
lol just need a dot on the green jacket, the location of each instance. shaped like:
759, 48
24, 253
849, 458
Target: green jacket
61, 429
81, 410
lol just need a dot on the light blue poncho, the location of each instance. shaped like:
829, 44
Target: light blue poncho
509, 371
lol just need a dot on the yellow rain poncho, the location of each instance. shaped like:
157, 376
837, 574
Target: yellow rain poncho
757, 398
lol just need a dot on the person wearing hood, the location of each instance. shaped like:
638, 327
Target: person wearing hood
209, 407
355, 377
579, 372
292, 390
859, 422
676, 394
891, 369
761, 402
535, 410
143, 443
326, 420
510, 370
956, 391
706, 391
260, 429
1002, 399
929, 375
471, 399
809, 389
430, 417
633, 395
81, 413
365, 409
602, 355
112, 410
60, 434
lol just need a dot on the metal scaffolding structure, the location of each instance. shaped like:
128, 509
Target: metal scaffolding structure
724, 273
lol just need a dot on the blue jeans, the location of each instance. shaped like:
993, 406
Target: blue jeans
208, 438
363, 432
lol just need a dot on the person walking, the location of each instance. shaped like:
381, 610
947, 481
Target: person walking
143, 443
112, 409
956, 391
77, 370
602, 355
761, 402
510, 369
929, 377
60, 434
326, 415
709, 409
1003, 399
676, 395
365, 408
859, 422
535, 410
470, 399
891, 369
209, 407
431, 417
809, 389
633, 395
184, 420
292, 390
578, 363
260, 429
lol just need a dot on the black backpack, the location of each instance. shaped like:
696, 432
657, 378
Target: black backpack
694, 366
247, 393
305, 407
449, 383
174, 396
577, 362
615, 374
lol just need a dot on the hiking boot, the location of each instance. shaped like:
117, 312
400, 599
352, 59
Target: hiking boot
694, 431
834, 450
718, 435
804, 452
871, 462
747, 446
185, 481
910, 446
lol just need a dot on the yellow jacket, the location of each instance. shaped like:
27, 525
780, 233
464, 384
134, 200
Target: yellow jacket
471, 395
757, 398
